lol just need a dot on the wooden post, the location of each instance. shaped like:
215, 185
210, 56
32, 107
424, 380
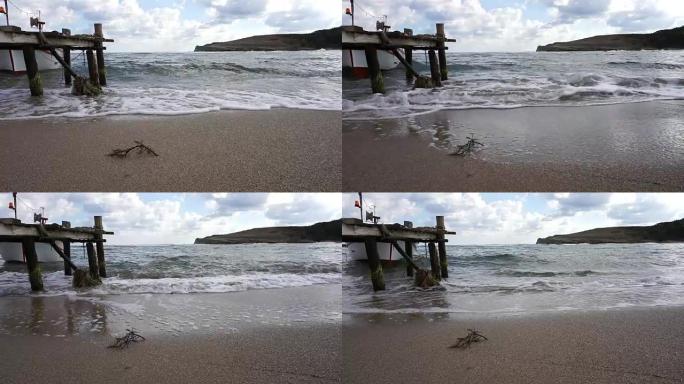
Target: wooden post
434, 260
66, 247
374, 263
92, 261
441, 245
28, 246
35, 82
408, 248
92, 68
442, 52
408, 54
434, 68
66, 54
99, 51
377, 83
100, 248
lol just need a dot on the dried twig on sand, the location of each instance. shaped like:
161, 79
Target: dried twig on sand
130, 337
141, 148
462, 150
473, 336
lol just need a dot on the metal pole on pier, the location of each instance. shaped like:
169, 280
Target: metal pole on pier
7, 13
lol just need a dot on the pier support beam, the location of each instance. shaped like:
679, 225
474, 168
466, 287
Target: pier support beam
28, 246
66, 55
66, 247
441, 51
35, 82
99, 51
92, 68
92, 261
441, 245
434, 68
99, 245
408, 248
408, 54
434, 260
377, 82
377, 276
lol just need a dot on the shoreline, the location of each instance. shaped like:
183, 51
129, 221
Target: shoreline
540, 149
271, 150
613, 346
254, 336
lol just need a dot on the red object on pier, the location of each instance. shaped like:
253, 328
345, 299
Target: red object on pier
356, 204
11, 205
348, 11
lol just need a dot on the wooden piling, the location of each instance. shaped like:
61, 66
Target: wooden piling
66, 248
441, 245
434, 68
377, 82
28, 246
99, 245
92, 261
92, 68
408, 248
408, 54
441, 51
377, 276
66, 55
99, 51
434, 260
35, 82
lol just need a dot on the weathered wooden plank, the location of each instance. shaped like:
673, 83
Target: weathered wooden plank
364, 38
360, 231
8, 38
8, 231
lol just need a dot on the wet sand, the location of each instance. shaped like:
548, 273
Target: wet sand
627, 147
261, 336
276, 150
615, 346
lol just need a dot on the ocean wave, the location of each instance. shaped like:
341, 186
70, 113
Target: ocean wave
519, 273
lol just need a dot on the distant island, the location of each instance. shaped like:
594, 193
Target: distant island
664, 39
319, 232
669, 232
321, 39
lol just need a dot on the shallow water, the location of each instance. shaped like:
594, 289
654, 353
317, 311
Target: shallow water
529, 278
512, 80
182, 83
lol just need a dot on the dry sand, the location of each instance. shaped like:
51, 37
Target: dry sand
276, 150
629, 147
615, 346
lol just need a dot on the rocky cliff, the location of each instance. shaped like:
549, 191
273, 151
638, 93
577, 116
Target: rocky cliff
672, 231
322, 39
327, 231
664, 39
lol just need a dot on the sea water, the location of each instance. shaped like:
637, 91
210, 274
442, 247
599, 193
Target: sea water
514, 80
515, 279
179, 269
184, 83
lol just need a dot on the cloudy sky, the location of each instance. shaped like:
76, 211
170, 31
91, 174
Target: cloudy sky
520, 25
500, 218
158, 218
178, 25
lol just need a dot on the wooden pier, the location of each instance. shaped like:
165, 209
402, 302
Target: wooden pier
355, 38
14, 231
13, 38
354, 230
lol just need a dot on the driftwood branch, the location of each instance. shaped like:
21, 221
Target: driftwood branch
468, 147
125, 340
139, 147
473, 336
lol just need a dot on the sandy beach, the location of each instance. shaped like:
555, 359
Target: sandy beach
275, 150
612, 346
623, 147
263, 336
